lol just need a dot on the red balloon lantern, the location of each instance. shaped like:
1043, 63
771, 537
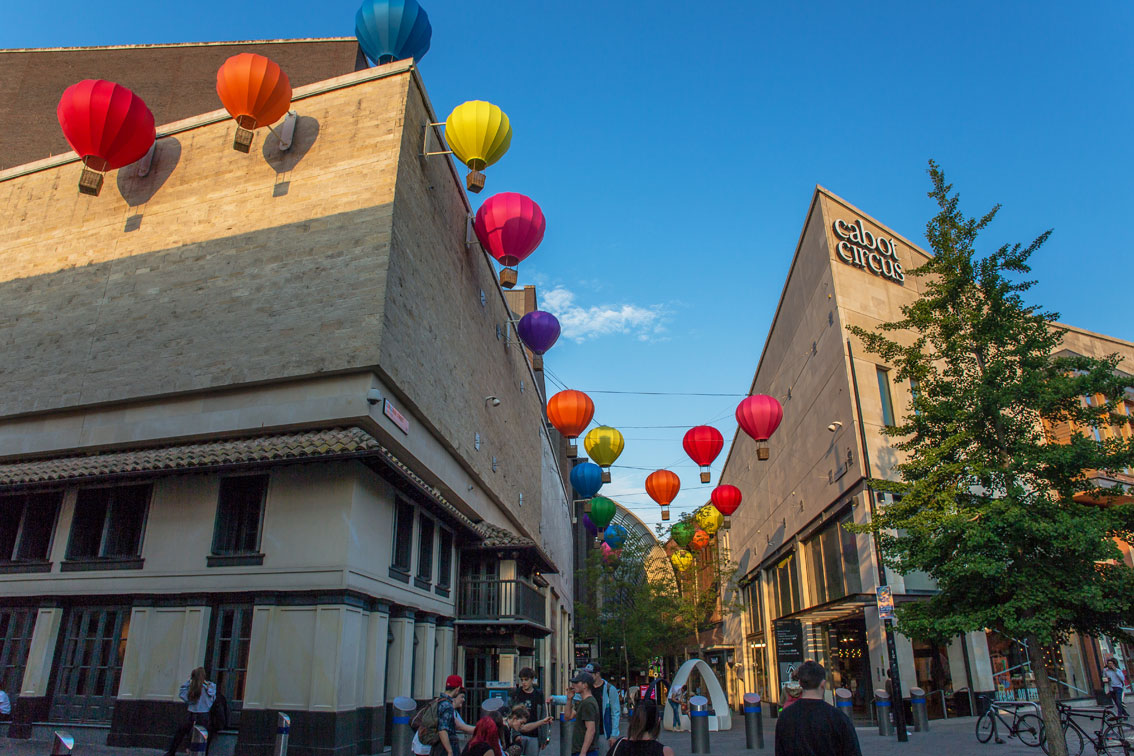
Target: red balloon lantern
509, 226
107, 125
662, 486
699, 540
703, 444
759, 416
726, 499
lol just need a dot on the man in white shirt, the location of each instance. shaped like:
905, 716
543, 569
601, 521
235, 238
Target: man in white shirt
5, 704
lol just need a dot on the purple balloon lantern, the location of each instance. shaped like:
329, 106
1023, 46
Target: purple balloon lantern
538, 330
592, 529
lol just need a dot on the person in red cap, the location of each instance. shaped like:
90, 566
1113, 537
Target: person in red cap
446, 718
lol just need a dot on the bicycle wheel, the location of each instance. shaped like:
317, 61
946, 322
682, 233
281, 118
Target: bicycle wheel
1118, 739
985, 726
1029, 728
1075, 743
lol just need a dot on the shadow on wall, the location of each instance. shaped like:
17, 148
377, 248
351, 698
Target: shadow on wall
283, 162
138, 190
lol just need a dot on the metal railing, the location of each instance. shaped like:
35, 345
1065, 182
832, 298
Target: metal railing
501, 600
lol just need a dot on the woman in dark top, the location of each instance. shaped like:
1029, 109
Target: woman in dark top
485, 739
642, 734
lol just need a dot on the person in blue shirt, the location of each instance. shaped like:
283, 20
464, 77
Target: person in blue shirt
199, 694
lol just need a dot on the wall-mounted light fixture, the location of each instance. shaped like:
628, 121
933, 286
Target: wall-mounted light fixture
834, 426
491, 400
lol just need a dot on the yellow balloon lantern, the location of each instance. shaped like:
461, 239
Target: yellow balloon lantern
681, 560
603, 445
479, 134
709, 519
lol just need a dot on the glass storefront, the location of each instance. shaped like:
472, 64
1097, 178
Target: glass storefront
847, 658
1012, 669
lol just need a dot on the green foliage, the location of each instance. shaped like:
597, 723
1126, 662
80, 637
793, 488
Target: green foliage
986, 505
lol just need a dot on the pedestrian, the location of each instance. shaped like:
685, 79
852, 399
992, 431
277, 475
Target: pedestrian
522, 730
607, 699
1116, 681
485, 739
642, 734
199, 694
585, 732
674, 699
813, 727
439, 727
421, 749
531, 697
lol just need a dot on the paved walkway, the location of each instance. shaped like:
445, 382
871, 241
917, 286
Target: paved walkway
952, 736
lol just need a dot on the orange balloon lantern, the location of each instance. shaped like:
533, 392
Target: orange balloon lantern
570, 412
699, 541
662, 486
255, 91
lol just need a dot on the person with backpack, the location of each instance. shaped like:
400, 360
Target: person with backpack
643, 729
199, 694
438, 724
421, 749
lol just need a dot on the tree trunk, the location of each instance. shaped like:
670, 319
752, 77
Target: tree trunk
1056, 743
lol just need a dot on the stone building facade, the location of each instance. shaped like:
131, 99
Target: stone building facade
260, 412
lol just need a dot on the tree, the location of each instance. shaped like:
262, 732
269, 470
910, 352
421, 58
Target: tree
989, 506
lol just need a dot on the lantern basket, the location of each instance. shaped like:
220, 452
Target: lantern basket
90, 182
706, 476
475, 182
572, 450
665, 513
762, 453
508, 277
586, 506
537, 362
606, 476
242, 142
727, 524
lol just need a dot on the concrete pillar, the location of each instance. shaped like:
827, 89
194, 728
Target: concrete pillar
165, 644
508, 668
425, 633
260, 676
444, 663
401, 654
377, 630
41, 652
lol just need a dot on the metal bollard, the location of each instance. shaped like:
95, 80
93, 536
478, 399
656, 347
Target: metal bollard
283, 732
564, 725
401, 737
198, 740
920, 713
844, 703
490, 705
699, 723
753, 722
882, 701
62, 743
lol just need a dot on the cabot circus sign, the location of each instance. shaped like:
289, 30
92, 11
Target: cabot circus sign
862, 249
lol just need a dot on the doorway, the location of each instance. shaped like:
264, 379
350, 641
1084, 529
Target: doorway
849, 662
89, 664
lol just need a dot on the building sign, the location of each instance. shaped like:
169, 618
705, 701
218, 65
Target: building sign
862, 249
789, 640
885, 603
400, 420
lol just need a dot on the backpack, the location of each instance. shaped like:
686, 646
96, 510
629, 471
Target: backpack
218, 715
426, 721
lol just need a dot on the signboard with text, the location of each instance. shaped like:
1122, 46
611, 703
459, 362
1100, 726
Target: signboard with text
789, 640
885, 603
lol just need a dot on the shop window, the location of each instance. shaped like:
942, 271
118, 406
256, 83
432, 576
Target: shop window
240, 513
89, 664
16, 626
403, 538
109, 522
834, 562
785, 582
425, 534
755, 607
445, 560
887, 400
230, 639
26, 524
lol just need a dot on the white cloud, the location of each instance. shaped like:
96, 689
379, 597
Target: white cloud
582, 323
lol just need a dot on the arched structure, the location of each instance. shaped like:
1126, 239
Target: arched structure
639, 537
721, 716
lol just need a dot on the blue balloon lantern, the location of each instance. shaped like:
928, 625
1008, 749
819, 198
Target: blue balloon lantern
614, 535
586, 479
390, 30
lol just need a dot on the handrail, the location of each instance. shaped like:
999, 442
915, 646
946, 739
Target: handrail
944, 708
972, 699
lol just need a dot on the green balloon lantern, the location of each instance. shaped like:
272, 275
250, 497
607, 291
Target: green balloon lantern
602, 512
682, 533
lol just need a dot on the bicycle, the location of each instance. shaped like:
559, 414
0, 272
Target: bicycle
1027, 727
1114, 736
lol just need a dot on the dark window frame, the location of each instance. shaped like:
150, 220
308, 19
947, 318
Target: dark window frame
426, 550
100, 559
445, 547
17, 625
886, 395
11, 558
223, 555
401, 557
238, 648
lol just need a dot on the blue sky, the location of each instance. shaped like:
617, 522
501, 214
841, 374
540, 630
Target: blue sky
674, 148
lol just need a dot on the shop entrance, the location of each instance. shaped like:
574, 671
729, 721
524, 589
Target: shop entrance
849, 661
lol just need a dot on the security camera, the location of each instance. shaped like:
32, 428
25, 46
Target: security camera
492, 400
373, 396
834, 426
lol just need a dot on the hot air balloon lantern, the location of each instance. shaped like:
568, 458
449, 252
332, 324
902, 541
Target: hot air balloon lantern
538, 330
509, 226
390, 30
614, 536
589, 526
570, 412
662, 486
709, 519
610, 555
759, 416
682, 533
586, 479
726, 499
699, 540
703, 443
256, 92
479, 134
107, 126
681, 560
603, 445
602, 512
